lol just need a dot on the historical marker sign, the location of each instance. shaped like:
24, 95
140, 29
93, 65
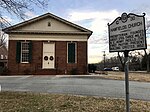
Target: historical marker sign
127, 33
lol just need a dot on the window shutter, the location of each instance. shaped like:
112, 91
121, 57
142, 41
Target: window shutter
71, 52
30, 51
18, 52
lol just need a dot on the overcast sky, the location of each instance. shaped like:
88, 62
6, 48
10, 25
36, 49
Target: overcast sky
93, 15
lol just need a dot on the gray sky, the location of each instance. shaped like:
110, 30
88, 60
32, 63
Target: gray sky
93, 15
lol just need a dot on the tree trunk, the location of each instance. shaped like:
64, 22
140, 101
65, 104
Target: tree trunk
122, 63
147, 58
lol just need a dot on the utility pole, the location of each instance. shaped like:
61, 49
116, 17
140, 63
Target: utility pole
104, 58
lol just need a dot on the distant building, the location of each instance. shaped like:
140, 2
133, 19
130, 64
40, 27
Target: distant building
47, 45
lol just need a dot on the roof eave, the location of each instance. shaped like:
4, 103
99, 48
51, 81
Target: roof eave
46, 32
44, 16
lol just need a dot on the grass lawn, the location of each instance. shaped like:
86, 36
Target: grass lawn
133, 76
40, 102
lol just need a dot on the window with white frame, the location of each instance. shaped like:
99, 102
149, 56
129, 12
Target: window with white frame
24, 52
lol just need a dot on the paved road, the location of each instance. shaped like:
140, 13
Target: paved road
91, 86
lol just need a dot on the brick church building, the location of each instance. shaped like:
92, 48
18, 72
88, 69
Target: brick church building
47, 45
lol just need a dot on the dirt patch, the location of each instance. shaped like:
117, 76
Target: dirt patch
133, 76
37, 102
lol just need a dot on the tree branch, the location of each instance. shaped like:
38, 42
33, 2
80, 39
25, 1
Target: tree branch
18, 7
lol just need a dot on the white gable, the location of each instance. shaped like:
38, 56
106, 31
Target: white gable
48, 27
48, 24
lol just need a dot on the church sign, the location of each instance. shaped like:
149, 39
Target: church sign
127, 33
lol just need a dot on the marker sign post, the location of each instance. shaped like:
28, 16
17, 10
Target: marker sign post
127, 33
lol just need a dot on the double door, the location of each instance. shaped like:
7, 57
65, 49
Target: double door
48, 55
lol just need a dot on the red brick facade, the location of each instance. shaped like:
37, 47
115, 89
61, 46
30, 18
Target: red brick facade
62, 44
61, 65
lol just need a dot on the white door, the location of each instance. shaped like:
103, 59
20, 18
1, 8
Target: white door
48, 55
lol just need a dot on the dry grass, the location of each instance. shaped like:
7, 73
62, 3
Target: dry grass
36, 102
142, 77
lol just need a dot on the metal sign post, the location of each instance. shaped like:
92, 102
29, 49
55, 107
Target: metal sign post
126, 69
127, 33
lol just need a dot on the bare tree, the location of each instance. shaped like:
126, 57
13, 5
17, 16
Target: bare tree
121, 58
18, 7
3, 37
147, 54
3, 40
147, 58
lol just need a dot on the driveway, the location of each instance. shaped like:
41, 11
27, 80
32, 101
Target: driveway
76, 85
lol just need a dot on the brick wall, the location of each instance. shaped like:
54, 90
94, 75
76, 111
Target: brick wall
61, 65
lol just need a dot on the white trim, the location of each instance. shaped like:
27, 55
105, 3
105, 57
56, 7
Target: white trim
24, 62
50, 38
21, 52
43, 55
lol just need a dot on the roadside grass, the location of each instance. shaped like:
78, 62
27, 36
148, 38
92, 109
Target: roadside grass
44, 102
133, 76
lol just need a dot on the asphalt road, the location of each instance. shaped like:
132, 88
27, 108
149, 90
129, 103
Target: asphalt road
78, 85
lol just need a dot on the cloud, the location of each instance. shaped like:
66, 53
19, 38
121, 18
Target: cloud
97, 22
30, 14
99, 19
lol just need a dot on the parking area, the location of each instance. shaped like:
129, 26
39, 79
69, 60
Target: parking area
76, 85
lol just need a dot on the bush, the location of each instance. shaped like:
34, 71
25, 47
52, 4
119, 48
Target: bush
91, 68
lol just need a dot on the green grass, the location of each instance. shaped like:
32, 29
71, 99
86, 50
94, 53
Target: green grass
40, 102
